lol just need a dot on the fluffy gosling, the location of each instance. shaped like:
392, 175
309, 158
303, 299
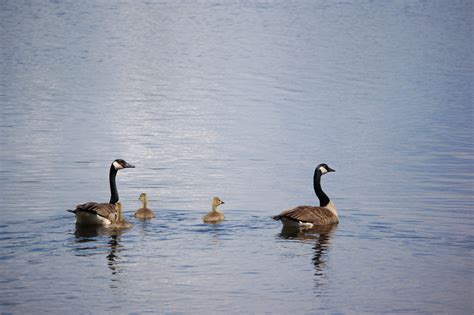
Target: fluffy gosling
214, 216
144, 213
121, 223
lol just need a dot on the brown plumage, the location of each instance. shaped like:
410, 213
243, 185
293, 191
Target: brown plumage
104, 210
94, 213
309, 214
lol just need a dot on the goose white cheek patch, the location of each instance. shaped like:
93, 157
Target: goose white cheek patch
117, 165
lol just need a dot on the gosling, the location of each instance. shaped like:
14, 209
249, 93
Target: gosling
121, 223
144, 213
215, 216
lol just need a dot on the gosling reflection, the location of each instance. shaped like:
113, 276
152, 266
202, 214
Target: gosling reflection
322, 236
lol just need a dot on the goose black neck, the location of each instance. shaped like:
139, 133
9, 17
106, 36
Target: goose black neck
114, 197
323, 198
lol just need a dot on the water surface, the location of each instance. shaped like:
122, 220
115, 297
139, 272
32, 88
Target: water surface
239, 100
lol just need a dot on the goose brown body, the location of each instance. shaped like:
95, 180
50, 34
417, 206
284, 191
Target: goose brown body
94, 213
311, 216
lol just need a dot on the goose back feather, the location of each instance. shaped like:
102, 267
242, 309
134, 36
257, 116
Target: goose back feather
309, 214
95, 213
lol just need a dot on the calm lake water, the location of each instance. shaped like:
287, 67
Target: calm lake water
239, 100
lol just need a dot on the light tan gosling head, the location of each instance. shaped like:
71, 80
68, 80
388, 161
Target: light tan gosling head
143, 197
216, 202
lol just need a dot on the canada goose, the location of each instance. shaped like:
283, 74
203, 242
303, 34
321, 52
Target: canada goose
120, 223
144, 212
307, 217
102, 213
214, 216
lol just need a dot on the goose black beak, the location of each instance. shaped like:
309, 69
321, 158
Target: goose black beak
330, 169
222, 202
128, 165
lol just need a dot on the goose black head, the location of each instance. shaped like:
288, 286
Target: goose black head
324, 168
120, 164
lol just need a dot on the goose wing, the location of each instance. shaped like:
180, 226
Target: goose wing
106, 210
314, 215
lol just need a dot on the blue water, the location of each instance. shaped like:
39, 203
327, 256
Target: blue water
239, 100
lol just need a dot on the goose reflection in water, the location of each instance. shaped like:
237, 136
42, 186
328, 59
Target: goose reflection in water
322, 236
90, 233
112, 257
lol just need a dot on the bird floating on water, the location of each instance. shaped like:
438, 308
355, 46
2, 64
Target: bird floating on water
306, 217
120, 223
94, 213
214, 216
144, 213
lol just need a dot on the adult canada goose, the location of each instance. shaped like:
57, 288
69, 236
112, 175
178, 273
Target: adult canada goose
120, 223
144, 212
102, 213
307, 217
214, 216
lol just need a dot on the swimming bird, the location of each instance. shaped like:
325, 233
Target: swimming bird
306, 217
214, 216
120, 223
102, 213
144, 212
